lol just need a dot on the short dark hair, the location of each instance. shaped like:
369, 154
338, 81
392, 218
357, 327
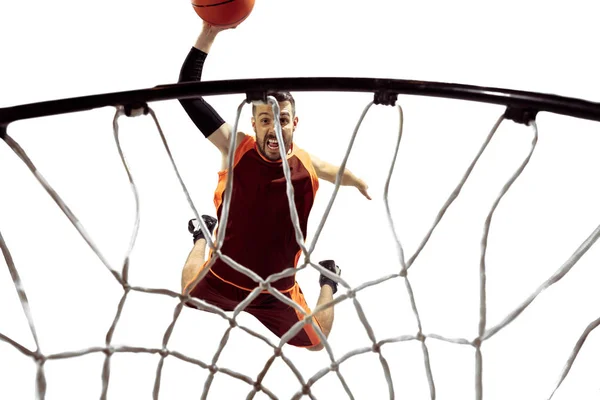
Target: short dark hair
280, 96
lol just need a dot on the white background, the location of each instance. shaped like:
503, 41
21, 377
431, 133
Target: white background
58, 49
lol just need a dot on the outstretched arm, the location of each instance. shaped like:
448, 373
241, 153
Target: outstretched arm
329, 172
208, 121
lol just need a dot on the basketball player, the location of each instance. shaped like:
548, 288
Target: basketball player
259, 234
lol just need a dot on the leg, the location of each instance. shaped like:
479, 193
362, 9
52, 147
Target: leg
279, 318
325, 316
197, 256
214, 291
194, 262
328, 288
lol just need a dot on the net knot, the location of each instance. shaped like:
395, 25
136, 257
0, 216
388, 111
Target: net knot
109, 351
277, 351
39, 357
334, 367
233, 323
420, 337
163, 353
305, 389
403, 273
376, 348
264, 286
351, 293
213, 369
258, 387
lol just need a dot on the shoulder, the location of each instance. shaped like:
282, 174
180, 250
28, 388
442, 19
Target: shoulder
307, 160
221, 138
301, 154
244, 142
244, 137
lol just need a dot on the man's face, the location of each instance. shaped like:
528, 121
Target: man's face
263, 124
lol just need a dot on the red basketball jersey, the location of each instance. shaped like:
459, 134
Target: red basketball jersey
259, 233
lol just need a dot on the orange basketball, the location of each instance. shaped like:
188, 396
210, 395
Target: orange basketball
223, 13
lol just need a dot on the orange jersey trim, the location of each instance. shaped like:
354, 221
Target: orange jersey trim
304, 157
245, 145
288, 156
249, 143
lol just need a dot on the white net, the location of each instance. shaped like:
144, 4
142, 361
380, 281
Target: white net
407, 345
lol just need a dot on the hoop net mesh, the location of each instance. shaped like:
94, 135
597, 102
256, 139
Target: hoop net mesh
378, 345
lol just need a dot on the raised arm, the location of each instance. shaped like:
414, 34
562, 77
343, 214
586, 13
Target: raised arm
208, 121
328, 172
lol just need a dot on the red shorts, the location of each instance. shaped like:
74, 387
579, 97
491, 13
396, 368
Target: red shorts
277, 316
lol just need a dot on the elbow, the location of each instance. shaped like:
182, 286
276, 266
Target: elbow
185, 76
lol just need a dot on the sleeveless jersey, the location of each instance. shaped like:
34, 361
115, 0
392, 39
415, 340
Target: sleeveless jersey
260, 234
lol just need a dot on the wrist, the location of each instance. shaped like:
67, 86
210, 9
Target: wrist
209, 31
206, 38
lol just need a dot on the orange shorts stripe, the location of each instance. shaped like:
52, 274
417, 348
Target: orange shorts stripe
245, 288
297, 296
274, 314
233, 284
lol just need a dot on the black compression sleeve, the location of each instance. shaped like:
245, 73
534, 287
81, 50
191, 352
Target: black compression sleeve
200, 112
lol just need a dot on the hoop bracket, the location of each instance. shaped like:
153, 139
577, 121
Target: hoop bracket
136, 109
256, 96
385, 97
520, 115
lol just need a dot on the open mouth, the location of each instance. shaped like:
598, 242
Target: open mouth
272, 144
